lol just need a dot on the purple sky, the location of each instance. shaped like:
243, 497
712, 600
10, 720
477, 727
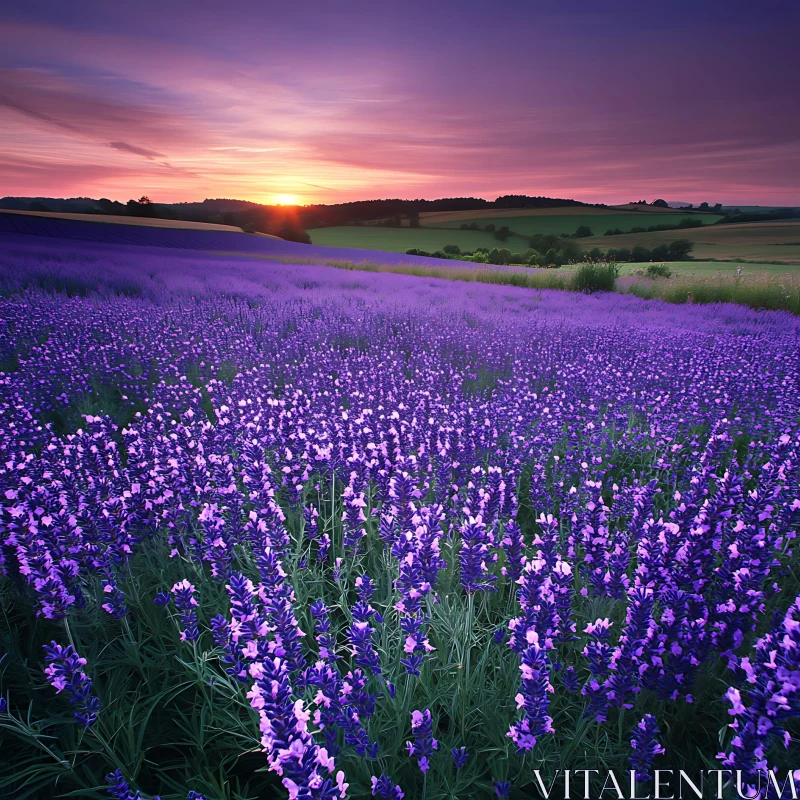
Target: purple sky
336, 101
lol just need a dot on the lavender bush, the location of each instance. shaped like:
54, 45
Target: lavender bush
284, 530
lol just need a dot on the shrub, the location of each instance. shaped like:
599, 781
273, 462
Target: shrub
658, 271
501, 234
499, 255
679, 249
552, 258
569, 251
452, 249
583, 231
595, 278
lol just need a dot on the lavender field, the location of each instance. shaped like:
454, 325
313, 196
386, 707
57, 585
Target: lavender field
285, 530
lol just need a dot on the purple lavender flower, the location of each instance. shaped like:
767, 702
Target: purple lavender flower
475, 556
162, 599
502, 788
424, 744
533, 699
119, 788
460, 756
53, 596
65, 671
291, 750
382, 787
322, 629
360, 635
341, 705
513, 545
644, 747
183, 592
365, 587
115, 600
223, 639
771, 696
570, 679
627, 663
598, 654
247, 624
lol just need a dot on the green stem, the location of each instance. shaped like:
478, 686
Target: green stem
467, 659
69, 634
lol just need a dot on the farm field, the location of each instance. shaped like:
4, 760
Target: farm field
398, 240
758, 242
712, 268
121, 220
268, 513
598, 220
439, 229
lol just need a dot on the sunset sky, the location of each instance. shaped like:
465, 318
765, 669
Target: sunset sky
334, 101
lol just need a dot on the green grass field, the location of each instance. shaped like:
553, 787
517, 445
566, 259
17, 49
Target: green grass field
439, 233
759, 242
568, 223
713, 268
398, 240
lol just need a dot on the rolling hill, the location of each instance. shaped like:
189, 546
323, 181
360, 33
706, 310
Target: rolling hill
767, 242
438, 229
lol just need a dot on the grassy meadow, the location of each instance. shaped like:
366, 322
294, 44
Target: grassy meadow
438, 229
398, 240
760, 242
711, 269
557, 224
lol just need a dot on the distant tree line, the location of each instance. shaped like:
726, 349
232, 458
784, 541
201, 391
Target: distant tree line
678, 250
657, 203
551, 251
735, 215
545, 250
686, 222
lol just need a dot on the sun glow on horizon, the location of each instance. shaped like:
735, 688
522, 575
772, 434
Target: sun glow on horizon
286, 200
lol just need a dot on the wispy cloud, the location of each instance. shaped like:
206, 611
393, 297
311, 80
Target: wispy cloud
124, 147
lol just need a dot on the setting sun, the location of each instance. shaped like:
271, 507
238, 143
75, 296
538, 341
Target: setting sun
286, 200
